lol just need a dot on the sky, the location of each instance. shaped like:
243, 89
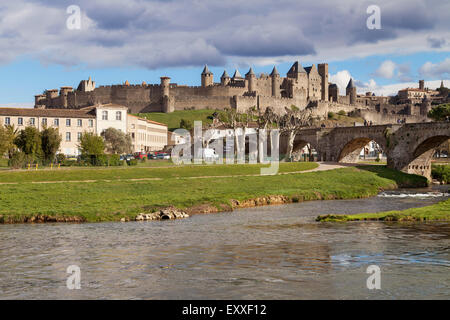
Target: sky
47, 44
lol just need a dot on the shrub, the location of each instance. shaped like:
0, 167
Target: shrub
114, 160
342, 113
441, 173
144, 159
132, 162
60, 157
18, 160
331, 115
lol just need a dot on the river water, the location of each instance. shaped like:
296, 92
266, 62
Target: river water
272, 252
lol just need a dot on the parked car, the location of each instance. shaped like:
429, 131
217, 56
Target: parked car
140, 155
162, 155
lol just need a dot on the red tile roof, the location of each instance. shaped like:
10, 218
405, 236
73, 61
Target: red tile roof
61, 113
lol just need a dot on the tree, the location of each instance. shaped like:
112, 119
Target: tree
116, 141
7, 136
29, 142
440, 112
51, 141
291, 122
185, 124
91, 145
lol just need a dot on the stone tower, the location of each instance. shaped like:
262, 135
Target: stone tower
333, 92
421, 84
275, 82
323, 72
207, 77
351, 92
63, 92
251, 78
425, 107
165, 94
225, 78
442, 84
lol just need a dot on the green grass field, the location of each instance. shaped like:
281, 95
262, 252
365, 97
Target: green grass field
110, 200
173, 119
123, 173
435, 212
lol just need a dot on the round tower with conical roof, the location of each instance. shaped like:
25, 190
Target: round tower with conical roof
225, 78
351, 92
251, 79
207, 77
275, 82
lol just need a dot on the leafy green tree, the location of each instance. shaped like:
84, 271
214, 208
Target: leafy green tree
51, 141
91, 145
116, 141
7, 136
185, 124
440, 112
29, 142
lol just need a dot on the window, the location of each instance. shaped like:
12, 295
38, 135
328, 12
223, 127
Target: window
67, 136
105, 115
119, 115
67, 122
79, 122
7, 120
56, 122
79, 136
44, 121
91, 123
20, 121
32, 121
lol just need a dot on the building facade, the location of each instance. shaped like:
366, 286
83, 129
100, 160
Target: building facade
72, 123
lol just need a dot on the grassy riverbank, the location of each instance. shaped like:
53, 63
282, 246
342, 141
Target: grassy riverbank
111, 194
436, 212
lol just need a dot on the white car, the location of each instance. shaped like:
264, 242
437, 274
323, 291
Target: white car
210, 155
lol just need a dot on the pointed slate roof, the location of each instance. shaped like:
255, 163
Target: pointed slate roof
250, 72
237, 74
350, 84
206, 70
296, 68
274, 72
225, 74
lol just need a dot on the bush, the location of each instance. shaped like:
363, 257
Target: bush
60, 157
144, 159
132, 162
342, 113
331, 115
19, 160
441, 173
114, 160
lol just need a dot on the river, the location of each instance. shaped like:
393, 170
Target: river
272, 252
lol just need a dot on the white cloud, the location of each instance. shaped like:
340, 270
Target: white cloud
341, 79
157, 34
386, 70
438, 70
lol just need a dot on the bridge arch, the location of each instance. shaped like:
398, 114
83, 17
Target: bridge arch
420, 160
350, 151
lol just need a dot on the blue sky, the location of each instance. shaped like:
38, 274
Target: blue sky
140, 40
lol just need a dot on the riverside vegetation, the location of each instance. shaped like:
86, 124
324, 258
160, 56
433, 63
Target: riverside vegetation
115, 194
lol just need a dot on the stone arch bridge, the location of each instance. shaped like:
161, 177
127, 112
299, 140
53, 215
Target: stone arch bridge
408, 147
